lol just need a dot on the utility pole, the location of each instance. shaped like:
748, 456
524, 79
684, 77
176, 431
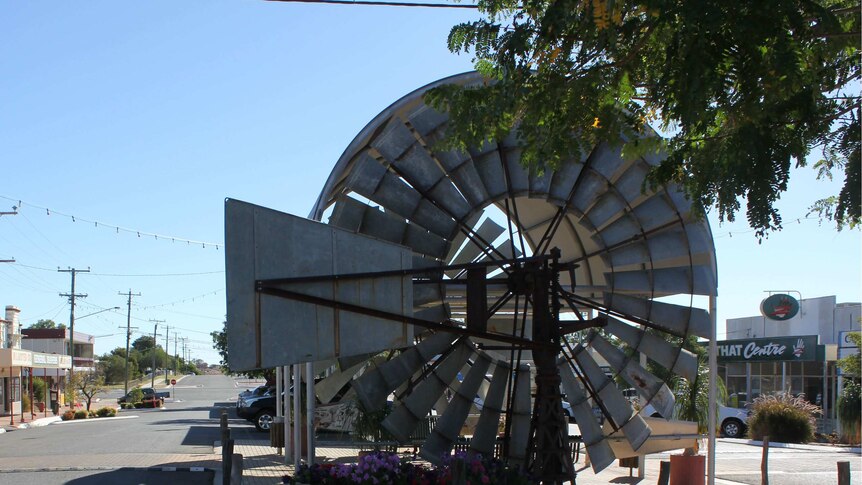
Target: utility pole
72, 297
153, 368
176, 356
128, 333
167, 336
184, 350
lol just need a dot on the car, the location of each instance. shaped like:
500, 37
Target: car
257, 391
260, 409
149, 396
732, 421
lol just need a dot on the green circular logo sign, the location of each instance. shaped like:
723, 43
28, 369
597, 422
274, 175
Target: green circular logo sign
779, 307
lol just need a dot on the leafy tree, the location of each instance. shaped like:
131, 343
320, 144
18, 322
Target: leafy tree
745, 90
144, 343
220, 344
88, 384
48, 324
852, 364
113, 367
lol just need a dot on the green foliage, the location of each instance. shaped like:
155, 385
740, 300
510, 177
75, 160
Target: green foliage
852, 364
47, 324
745, 90
692, 398
220, 344
368, 425
39, 388
82, 414
88, 384
106, 412
850, 411
783, 417
144, 343
136, 395
127, 405
26, 404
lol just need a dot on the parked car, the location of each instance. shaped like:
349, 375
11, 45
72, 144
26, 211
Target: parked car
259, 409
150, 396
732, 421
257, 391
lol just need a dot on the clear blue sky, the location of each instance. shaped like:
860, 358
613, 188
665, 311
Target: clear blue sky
147, 115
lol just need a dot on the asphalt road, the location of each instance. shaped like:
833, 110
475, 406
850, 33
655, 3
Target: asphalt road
187, 425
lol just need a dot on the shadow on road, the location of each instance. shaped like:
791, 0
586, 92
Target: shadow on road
143, 477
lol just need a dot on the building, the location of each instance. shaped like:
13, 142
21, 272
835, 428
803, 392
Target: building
18, 366
57, 341
792, 346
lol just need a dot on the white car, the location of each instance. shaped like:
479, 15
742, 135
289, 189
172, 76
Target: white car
732, 421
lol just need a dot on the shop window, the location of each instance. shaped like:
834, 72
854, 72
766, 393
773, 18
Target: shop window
813, 368
813, 387
736, 368
15, 392
768, 383
796, 385
794, 368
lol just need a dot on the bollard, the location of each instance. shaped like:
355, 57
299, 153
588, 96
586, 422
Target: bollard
225, 431
764, 463
226, 461
843, 473
664, 473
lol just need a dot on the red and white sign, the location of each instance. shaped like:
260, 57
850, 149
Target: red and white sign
173, 382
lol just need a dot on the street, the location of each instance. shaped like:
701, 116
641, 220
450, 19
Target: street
137, 447
180, 435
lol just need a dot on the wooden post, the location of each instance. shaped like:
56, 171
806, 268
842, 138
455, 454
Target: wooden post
226, 461
843, 473
664, 473
764, 462
225, 431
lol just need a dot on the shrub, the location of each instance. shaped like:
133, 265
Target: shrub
106, 412
389, 468
91, 413
127, 405
136, 395
139, 405
81, 414
783, 417
850, 411
25, 403
39, 388
68, 415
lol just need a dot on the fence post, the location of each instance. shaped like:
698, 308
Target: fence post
225, 431
764, 462
227, 461
843, 473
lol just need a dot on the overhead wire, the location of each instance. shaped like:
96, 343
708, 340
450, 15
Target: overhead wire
96, 224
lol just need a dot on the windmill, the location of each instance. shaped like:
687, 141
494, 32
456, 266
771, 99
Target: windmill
489, 281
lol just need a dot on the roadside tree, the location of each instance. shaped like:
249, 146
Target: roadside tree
88, 384
743, 90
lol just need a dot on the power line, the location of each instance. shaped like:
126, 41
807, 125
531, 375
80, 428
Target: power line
382, 3
139, 275
97, 224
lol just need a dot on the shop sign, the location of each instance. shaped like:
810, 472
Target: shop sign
15, 358
768, 349
779, 307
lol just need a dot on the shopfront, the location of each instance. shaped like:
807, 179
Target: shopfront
16, 371
798, 365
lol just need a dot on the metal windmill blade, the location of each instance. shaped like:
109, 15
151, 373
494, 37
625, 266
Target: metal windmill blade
514, 271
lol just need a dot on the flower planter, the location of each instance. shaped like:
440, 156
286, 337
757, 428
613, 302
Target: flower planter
687, 469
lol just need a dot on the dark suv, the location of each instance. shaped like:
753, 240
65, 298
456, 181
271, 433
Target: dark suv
258, 408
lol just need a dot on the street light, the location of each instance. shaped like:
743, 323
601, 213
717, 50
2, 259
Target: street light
96, 313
